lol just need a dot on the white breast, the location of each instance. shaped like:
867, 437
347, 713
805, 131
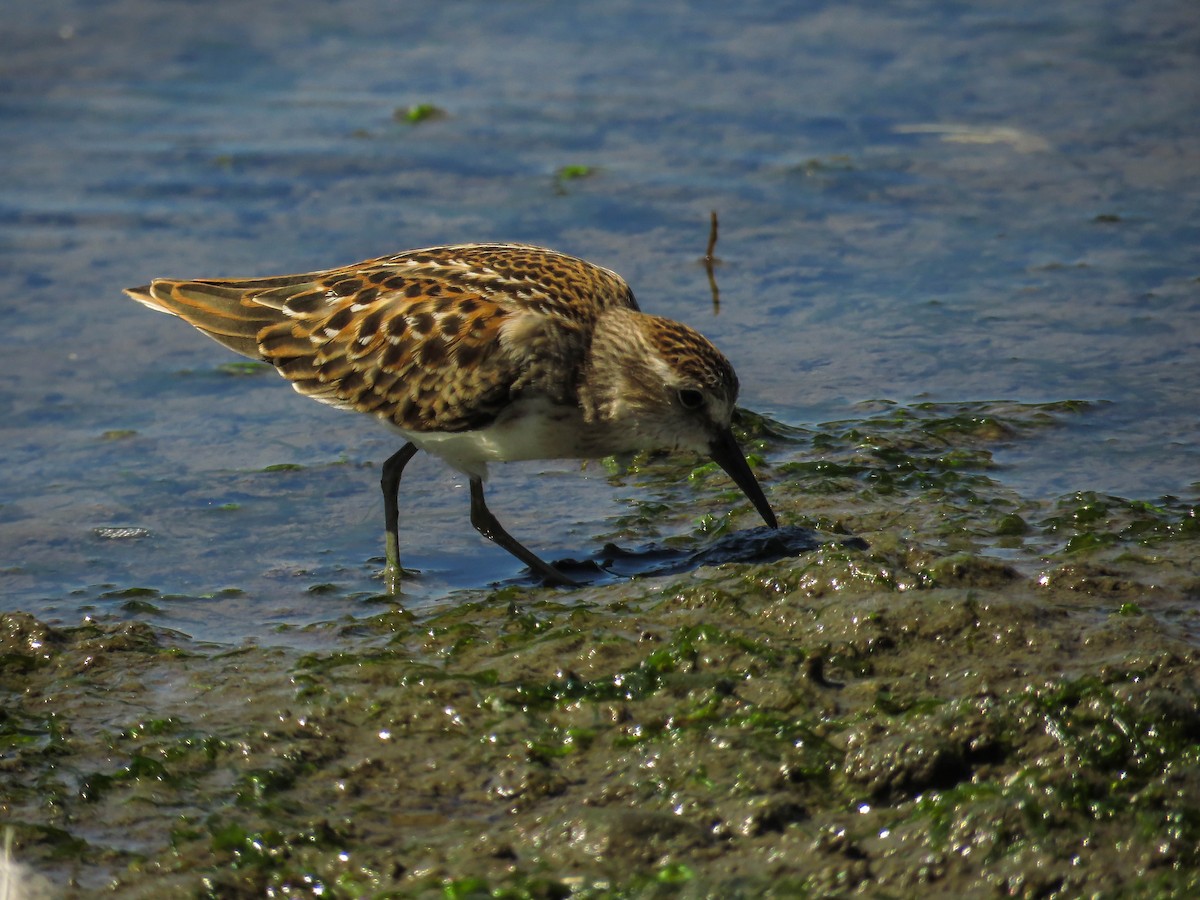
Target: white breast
531, 428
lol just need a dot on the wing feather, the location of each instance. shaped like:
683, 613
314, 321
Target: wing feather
438, 339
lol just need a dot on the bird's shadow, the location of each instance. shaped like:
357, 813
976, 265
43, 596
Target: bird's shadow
754, 545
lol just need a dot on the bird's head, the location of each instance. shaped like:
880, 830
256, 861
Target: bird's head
669, 388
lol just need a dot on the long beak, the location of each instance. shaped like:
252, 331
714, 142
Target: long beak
728, 455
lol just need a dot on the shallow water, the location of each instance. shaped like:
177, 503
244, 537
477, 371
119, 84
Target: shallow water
935, 201
959, 276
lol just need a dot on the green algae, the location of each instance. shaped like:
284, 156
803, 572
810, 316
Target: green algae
418, 112
242, 368
980, 693
571, 172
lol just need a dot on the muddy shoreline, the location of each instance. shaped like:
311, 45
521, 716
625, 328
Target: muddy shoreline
995, 696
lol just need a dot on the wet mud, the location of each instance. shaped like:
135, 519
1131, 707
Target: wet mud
945, 688
964, 666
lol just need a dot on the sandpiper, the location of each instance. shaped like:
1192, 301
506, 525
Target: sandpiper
479, 353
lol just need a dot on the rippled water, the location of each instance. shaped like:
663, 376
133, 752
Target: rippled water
935, 201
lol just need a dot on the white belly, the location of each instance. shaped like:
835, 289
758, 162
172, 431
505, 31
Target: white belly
529, 429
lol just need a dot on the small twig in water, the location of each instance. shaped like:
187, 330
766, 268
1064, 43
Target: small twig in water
710, 262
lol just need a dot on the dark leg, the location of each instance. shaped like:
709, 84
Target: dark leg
390, 482
485, 523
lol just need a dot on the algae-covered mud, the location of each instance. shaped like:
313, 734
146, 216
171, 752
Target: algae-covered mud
958, 691
964, 665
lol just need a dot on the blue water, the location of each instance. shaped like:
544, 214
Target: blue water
947, 201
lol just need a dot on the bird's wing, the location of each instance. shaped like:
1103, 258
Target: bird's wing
432, 340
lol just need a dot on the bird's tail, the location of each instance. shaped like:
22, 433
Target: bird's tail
233, 313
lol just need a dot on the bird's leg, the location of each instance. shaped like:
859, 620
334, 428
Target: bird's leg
390, 482
485, 523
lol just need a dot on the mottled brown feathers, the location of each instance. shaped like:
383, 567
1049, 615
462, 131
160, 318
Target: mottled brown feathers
439, 339
680, 347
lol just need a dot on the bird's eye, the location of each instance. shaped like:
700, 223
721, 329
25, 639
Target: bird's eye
691, 399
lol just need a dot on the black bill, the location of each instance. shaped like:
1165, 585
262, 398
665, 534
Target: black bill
728, 455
